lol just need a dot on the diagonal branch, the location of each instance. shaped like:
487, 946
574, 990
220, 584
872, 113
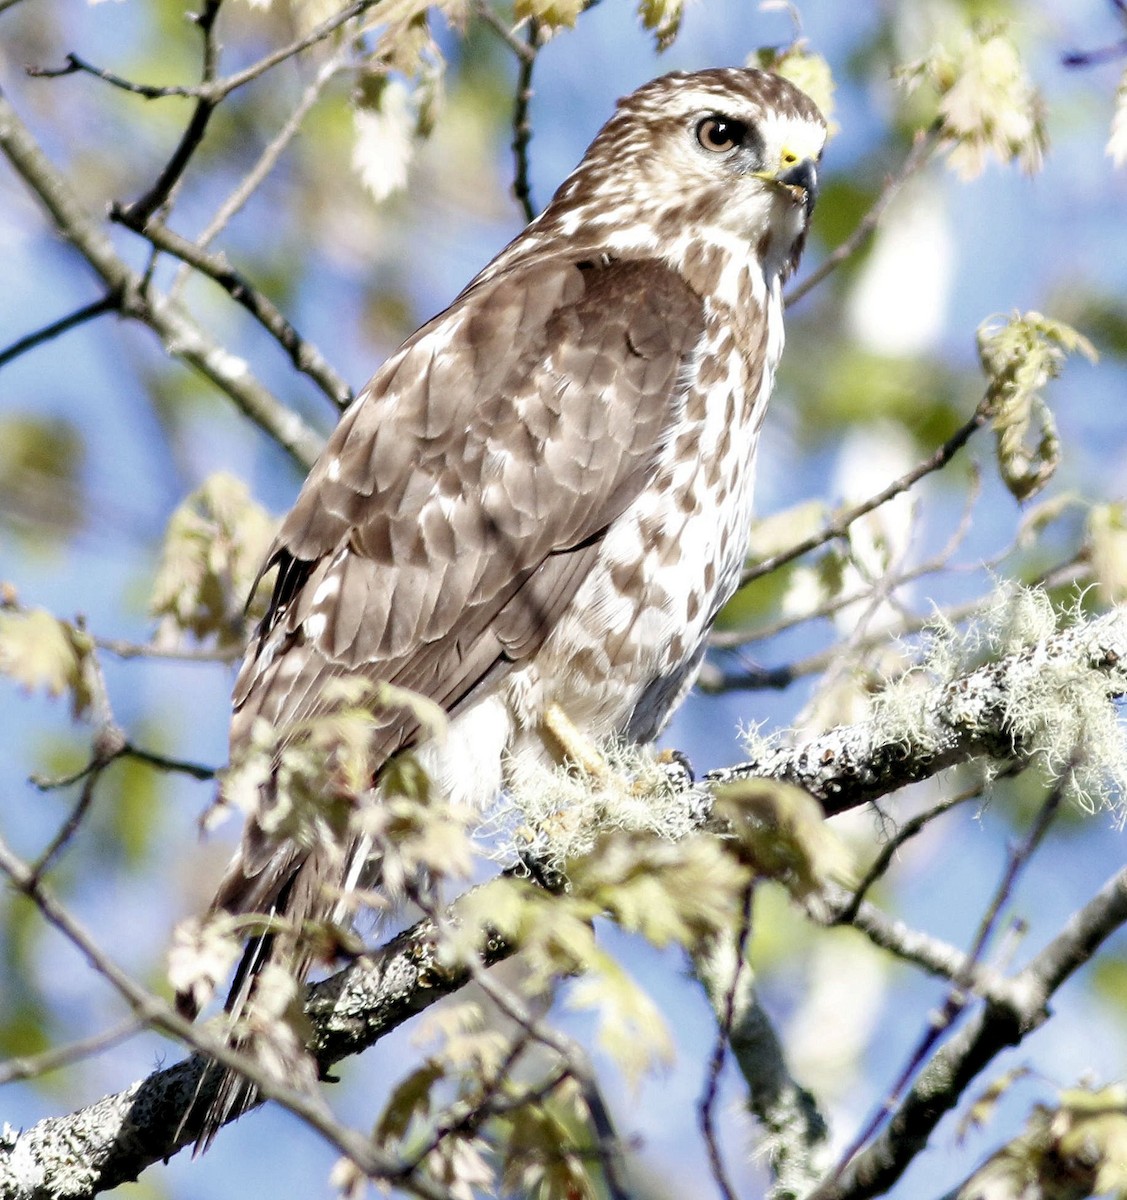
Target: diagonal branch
839, 526
960, 720
303, 354
181, 336
80, 315
122, 1134
971, 1049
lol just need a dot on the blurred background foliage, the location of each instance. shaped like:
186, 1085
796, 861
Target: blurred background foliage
104, 437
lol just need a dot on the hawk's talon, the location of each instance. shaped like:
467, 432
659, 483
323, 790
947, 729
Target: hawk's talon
678, 771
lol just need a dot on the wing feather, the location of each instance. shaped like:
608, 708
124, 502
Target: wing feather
462, 500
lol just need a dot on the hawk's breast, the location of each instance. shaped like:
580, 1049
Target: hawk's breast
629, 644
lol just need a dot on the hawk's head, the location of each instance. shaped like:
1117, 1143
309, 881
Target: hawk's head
732, 153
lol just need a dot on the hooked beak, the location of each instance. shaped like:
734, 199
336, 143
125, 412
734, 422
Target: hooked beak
802, 177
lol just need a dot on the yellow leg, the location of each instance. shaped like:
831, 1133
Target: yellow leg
572, 745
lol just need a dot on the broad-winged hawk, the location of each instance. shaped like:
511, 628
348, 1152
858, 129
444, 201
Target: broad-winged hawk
534, 511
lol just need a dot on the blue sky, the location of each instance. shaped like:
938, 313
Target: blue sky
1015, 243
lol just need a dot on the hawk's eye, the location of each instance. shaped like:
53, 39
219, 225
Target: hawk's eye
720, 134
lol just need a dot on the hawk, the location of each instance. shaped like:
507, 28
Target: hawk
534, 511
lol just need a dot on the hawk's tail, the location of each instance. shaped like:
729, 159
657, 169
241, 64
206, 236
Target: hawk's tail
222, 1093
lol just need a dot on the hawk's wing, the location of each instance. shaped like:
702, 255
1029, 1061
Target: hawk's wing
462, 499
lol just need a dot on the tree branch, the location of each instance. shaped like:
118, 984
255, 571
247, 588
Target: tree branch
112, 1140
839, 526
178, 332
997, 1026
303, 354
959, 721
353, 1009
80, 315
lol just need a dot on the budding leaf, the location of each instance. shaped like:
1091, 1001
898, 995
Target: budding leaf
780, 833
40, 652
213, 548
1019, 357
986, 105
663, 17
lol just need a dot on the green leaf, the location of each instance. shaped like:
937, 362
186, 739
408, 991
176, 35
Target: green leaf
1020, 356
42, 653
214, 545
780, 833
630, 1027
411, 1100
553, 14
663, 17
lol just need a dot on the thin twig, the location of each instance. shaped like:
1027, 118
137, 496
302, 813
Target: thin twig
303, 354
714, 681
31, 1066
522, 123
959, 995
924, 950
727, 1010
923, 146
137, 214
218, 88
908, 830
122, 648
891, 582
839, 526
70, 826
80, 315
266, 162
164, 762
608, 1145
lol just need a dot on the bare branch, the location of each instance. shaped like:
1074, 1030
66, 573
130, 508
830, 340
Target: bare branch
908, 830
32, 1066
266, 161
959, 995
164, 762
522, 124
137, 214
303, 354
80, 315
214, 89
121, 648
722, 970
954, 1066
180, 335
839, 526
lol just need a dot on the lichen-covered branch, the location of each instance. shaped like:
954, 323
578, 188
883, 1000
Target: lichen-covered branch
961, 719
971, 716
